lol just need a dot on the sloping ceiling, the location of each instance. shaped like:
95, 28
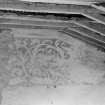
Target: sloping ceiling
65, 1
83, 19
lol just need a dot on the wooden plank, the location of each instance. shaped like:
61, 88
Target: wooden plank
88, 34
97, 17
98, 7
48, 25
51, 24
46, 7
27, 18
79, 2
38, 22
83, 38
30, 26
50, 18
95, 27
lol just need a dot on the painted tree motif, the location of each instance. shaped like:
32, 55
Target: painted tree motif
48, 59
50, 62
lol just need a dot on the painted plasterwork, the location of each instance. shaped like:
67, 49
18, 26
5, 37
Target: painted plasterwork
31, 60
51, 58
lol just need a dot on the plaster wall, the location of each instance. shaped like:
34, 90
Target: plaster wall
47, 67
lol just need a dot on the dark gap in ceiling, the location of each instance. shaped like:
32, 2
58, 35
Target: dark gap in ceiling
58, 16
3, 29
100, 4
102, 15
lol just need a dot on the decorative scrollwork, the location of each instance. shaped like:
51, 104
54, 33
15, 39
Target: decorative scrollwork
42, 58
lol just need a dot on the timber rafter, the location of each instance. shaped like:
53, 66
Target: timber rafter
84, 20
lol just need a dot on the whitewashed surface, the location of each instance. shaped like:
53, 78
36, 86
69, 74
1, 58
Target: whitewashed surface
42, 67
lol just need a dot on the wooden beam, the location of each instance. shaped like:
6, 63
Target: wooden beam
27, 18
85, 39
37, 22
47, 24
30, 26
86, 11
46, 7
78, 2
50, 18
95, 27
82, 35
89, 34
98, 7
97, 17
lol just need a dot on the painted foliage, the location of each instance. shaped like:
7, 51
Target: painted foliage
48, 60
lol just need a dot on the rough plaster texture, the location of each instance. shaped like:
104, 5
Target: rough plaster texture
46, 67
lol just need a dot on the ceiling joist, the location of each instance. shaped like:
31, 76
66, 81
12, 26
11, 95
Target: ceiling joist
47, 7
37, 22
82, 21
98, 7
86, 39
89, 34
95, 27
97, 17
9, 26
84, 32
78, 2
87, 11
17, 23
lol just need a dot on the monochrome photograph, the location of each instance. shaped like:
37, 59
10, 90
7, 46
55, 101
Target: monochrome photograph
52, 52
